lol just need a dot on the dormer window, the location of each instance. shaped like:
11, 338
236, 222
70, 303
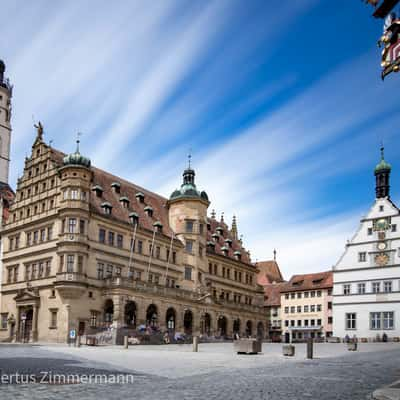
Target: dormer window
215, 236
228, 242
220, 230
225, 250
116, 186
158, 226
317, 281
98, 190
208, 227
107, 207
298, 283
134, 218
238, 255
140, 197
149, 211
124, 201
211, 246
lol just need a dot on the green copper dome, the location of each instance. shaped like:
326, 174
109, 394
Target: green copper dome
76, 159
383, 165
188, 188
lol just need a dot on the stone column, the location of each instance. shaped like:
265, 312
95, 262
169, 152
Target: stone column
17, 324
35, 323
196, 322
119, 308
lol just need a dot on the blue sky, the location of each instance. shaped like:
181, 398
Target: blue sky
281, 103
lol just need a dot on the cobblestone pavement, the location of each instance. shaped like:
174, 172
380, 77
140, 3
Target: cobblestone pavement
335, 375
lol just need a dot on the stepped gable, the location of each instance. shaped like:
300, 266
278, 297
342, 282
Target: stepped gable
227, 234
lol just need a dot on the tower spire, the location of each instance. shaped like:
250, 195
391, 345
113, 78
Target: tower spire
382, 177
234, 229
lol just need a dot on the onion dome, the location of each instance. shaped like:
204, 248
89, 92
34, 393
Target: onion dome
76, 159
383, 165
188, 188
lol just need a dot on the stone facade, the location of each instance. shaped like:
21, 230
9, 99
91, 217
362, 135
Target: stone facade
86, 250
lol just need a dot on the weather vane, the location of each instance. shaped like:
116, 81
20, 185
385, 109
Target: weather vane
190, 156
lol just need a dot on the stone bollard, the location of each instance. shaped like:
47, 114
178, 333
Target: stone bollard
125, 342
195, 344
78, 341
310, 348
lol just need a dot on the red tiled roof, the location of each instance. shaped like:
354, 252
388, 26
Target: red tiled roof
319, 280
272, 294
7, 196
269, 272
157, 202
226, 234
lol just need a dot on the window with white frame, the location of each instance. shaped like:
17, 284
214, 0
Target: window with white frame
362, 256
346, 289
361, 288
394, 228
71, 225
351, 321
387, 286
376, 287
375, 320
388, 319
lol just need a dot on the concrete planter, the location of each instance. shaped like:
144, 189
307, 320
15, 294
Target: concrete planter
247, 346
352, 346
288, 350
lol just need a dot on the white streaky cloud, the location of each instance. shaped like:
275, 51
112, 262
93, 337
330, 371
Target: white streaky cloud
174, 62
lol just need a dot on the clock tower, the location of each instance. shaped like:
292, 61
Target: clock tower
5, 124
366, 279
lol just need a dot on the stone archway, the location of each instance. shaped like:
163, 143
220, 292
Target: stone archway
170, 319
249, 328
222, 326
188, 322
260, 330
205, 327
236, 326
130, 314
108, 312
152, 316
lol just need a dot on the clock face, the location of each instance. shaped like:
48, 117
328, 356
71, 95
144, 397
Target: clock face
381, 259
382, 246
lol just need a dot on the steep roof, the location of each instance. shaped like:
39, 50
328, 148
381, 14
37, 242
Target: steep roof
269, 272
7, 196
272, 294
226, 234
319, 280
156, 202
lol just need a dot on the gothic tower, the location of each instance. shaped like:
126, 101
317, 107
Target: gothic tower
382, 177
5, 125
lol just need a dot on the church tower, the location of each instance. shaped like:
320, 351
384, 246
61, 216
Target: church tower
5, 124
382, 176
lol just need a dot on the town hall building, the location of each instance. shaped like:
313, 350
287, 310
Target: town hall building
366, 279
88, 251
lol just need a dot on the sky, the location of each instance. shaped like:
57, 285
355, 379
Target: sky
280, 104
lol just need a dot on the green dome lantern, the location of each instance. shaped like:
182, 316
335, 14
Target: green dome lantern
188, 188
383, 165
76, 159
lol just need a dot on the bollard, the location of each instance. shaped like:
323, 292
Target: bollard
78, 341
195, 344
125, 342
310, 349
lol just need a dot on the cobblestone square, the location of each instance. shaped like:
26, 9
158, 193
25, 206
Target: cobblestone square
215, 372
